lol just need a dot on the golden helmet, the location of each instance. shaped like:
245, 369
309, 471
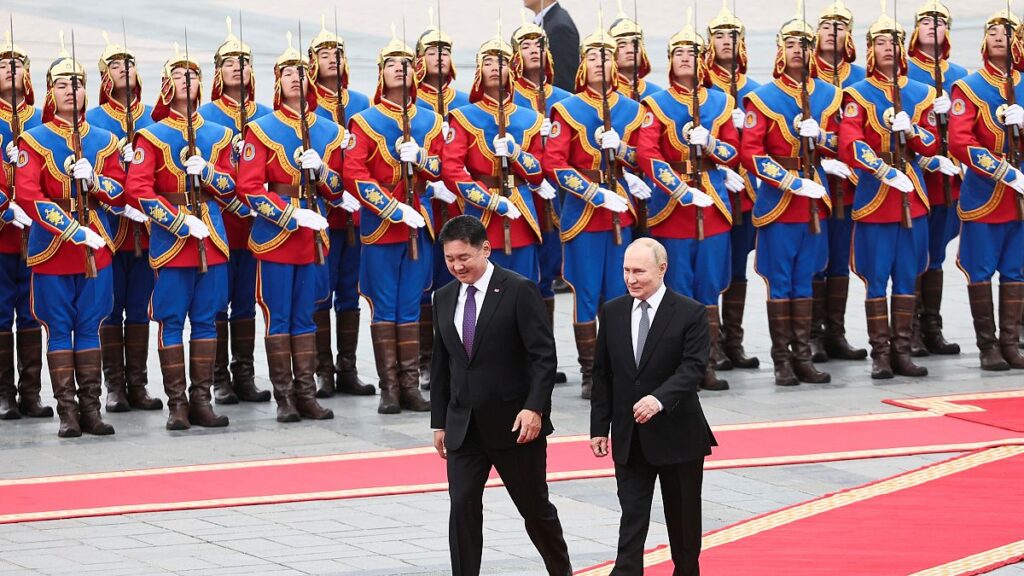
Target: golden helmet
325, 39
290, 56
796, 27
180, 60
1001, 18
232, 46
395, 48
934, 8
885, 24
493, 47
9, 50
725, 20
432, 36
625, 27
598, 39
526, 31
837, 12
112, 52
64, 66
687, 36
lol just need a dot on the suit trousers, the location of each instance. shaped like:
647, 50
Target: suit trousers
680, 492
523, 471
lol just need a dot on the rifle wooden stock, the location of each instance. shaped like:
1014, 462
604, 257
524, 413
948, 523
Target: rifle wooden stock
407, 169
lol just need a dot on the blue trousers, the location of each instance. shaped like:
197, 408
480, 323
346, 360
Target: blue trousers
288, 295
241, 286
523, 261
549, 255
840, 235
592, 266
889, 251
71, 308
392, 283
343, 273
743, 239
989, 248
698, 269
133, 286
943, 226
184, 292
15, 294
788, 256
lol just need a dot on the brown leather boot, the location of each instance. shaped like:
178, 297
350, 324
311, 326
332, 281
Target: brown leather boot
779, 329
409, 397
201, 357
549, 305
62, 379
243, 369
348, 381
800, 313
426, 343
734, 300
8, 393
1011, 300
877, 313
931, 317
279, 364
818, 313
385, 354
711, 379
983, 310
112, 345
304, 362
586, 342
324, 356
917, 346
716, 356
837, 290
136, 358
89, 375
902, 319
30, 368
223, 392
172, 367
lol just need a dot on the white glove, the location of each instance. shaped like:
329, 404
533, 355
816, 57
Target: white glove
700, 136
901, 123
92, 239
409, 151
21, 220
307, 218
134, 215
347, 139
196, 227
194, 165
445, 129
504, 147
810, 189
610, 140
410, 217
637, 187
511, 212
545, 128
546, 191
902, 182
239, 146
733, 181
836, 168
12, 153
127, 153
349, 202
1014, 115
310, 160
1018, 182
946, 166
441, 192
82, 170
738, 118
941, 105
613, 201
698, 198
809, 129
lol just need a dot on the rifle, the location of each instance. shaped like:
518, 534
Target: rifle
307, 175
737, 203
506, 176
899, 151
16, 132
808, 160
548, 222
407, 168
339, 115
79, 188
1012, 131
129, 129
442, 106
943, 119
696, 152
839, 206
610, 181
641, 205
243, 112
192, 183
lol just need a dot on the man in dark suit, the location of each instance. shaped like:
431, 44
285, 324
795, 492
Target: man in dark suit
652, 351
491, 378
564, 40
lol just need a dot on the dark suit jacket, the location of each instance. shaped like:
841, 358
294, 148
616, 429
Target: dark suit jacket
512, 367
564, 40
671, 368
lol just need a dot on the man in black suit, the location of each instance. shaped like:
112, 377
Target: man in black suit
491, 378
563, 38
652, 351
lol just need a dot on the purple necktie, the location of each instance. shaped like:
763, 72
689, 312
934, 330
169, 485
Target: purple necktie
469, 319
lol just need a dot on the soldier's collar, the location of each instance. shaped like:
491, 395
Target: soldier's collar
180, 122
25, 111
883, 82
66, 129
395, 107
593, 97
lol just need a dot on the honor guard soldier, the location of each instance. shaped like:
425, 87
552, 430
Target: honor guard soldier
631, 57
69, 247
396, 152
683, 126
180, 176
882, 141
929, 64
290, 163
834, 55
124, 335
491, 160
232, 75
788, 137
328, 70
727, 69
984, 128
17, 114
587, 153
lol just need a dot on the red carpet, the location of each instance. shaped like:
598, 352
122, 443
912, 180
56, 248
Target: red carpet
958, 517
1001, 409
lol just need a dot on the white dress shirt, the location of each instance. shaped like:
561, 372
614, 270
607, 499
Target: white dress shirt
539, 18
654, 301
481, 291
